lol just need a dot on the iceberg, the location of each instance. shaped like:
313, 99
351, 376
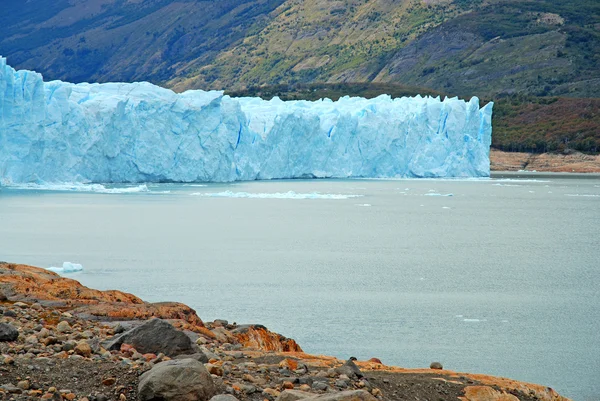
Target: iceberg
58, 132
67, 267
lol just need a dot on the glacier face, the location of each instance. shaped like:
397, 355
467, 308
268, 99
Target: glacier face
138, 132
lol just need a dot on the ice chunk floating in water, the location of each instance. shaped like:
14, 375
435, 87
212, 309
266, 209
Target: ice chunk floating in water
79, 187
67, 267
276, 195
138, 132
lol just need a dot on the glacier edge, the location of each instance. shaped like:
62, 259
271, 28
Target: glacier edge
138, 132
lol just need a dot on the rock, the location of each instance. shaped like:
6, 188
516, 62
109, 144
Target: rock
63, 327
23, 384
376, 360
270, 392
436, 365
26, 283
9, 313
257, 336
44, 332
176, 380
485, 393
287, 385
320, 386
9, 388
220, 322
349, 369
154, 336
341, 383
8, 332
224, 397
109, 381
21, 305
32, 339
294, 395
353, 395
289, 364
214, 369
199, 356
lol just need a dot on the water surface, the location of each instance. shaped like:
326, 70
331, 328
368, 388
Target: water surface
502, 277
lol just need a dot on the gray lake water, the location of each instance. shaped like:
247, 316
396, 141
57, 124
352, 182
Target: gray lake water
501, 278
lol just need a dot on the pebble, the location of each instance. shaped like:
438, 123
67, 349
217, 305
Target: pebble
63, 327
23, 385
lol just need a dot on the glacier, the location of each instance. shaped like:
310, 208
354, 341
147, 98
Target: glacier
137, 132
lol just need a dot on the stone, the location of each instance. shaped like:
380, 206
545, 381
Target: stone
21, 305
341, 383
9, 388
486, 393
199, 356
288, 363
23, 385
154, 336
8, 332
63, 327
44, 332
294, 395
436, 365
109, 381
176, 380
349, 369
352, 395
287, 385
273, 393
214, 369
376, 360
320, 386
224, 397
32, 339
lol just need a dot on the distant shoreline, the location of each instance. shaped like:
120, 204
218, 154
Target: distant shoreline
575, 162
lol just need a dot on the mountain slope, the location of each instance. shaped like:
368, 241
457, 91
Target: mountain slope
460, 47
122, 40
463, 47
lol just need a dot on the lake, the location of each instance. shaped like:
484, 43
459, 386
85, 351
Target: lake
498, 276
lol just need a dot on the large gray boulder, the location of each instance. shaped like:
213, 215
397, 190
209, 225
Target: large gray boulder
176, 380
8, 332
154, 336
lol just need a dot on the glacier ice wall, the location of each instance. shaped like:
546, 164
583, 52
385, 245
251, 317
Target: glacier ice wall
138, 132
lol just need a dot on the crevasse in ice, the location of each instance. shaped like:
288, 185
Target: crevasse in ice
138, 132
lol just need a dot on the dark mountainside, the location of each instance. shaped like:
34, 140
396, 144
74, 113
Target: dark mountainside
538, 60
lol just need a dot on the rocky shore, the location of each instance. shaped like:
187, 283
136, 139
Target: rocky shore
60, 340
573, 162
